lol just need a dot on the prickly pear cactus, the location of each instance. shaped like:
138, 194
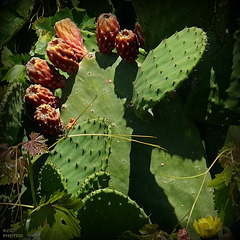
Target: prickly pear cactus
50, 180
94, 182
11, 111
80, 155
167, 66
107, 213
184, 156
107, 77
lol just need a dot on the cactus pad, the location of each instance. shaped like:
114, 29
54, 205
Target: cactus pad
50, 179
107, 213
78, 157
11, 109
96, 181
167, 66
105, 75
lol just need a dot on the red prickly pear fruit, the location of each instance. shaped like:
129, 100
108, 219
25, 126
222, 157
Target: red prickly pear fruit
106, 31
127, 45
71, 34
62, 55
183, 234
44, 73
48, 120
36, 95
140, 36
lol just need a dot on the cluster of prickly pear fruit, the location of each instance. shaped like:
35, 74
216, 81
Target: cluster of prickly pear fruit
109, 36
64, 53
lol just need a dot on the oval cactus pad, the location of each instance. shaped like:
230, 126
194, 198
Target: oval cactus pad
167, 66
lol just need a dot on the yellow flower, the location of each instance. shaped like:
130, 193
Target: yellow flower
207, 227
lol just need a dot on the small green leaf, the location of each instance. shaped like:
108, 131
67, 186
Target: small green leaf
222, 179
55, 223
17, 72
88, 23
5, 57
55, 219
47, 24
42, 42
69, 202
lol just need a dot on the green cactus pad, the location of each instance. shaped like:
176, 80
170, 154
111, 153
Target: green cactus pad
107, 213
78, 157
96, 181
162, 197
167, 66
11, 110
104, 75
50, 179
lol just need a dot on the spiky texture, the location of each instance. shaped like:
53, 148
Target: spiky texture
44, 73
96, 76
127, 46
71, 34
80, 155
11, 113
94, 182
166, 67
62, 56
140, 36
108, 213
50, 180
48, 120
36, 95
106, 31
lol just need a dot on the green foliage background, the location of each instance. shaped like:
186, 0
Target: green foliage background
192, 118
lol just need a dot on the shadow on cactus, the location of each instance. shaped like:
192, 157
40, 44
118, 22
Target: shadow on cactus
126, 155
